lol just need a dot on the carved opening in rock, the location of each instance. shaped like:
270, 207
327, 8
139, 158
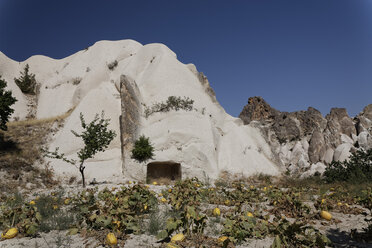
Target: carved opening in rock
163, 172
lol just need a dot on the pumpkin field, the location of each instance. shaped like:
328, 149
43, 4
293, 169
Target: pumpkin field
190, 213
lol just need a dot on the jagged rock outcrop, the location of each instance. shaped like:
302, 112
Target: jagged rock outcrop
257, 109
305, 140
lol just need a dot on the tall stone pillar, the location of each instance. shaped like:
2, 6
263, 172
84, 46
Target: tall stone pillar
130, 115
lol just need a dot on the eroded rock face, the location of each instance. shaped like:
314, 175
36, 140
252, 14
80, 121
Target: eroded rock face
257, 110
317, 147
320, 139
130, 117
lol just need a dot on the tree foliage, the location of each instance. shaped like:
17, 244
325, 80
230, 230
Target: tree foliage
143, 150
26, 82
96, 137
6, 100
357, 169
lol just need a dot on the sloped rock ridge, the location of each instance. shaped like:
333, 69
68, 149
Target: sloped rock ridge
124, 78
304, 141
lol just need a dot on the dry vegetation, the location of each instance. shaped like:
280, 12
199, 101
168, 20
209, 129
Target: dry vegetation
20, 149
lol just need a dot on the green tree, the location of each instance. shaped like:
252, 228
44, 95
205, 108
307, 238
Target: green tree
358, 169
143, 150
26, 82
6, 100
96, 137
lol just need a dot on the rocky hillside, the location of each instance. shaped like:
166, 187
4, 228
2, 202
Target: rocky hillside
128, 80
304, 141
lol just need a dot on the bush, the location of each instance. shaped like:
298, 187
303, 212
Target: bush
142, 150
172, 103
6, 100
52, 216
112, 65
357, 170
26, 82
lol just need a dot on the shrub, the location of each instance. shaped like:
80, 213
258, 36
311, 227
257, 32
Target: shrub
26, 82
143, 150
357, 170
76, 80
112, 65
96, 138
52, 216
6, 100
172, 103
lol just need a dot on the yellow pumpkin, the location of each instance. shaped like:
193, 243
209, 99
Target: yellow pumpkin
111, 239
249, 214
222, 239
11, 233
216, 212
325, 215
32, 203
171, 245
178, 237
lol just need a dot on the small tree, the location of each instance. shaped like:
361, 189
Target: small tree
6, 100
96, 138
143, 150
26, 82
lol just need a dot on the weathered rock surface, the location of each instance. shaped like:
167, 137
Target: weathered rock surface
320, 139
204, 141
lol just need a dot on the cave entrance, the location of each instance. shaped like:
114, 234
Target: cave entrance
163, 172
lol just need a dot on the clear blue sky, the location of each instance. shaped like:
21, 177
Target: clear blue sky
294, 53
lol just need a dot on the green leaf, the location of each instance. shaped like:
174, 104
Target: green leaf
277, 242
162, 235
73, 231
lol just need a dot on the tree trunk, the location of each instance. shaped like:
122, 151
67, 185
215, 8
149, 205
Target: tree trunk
81, 168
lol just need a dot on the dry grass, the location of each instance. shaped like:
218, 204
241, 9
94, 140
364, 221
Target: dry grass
33, 122
20, 149
227, 179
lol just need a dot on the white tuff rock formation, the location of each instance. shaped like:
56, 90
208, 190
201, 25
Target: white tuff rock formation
204, 141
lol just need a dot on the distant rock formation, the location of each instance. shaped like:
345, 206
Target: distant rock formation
304, 141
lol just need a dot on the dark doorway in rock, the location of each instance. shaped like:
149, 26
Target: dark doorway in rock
163, 172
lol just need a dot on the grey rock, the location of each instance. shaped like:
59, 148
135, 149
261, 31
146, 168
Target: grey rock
317, 147
257, 109
320, 139
130, 114
338, 121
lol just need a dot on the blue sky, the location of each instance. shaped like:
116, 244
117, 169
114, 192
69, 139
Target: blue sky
293, 53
